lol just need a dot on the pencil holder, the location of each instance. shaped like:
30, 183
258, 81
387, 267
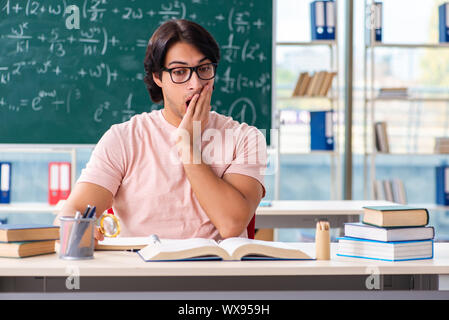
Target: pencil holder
322, 241
77, 238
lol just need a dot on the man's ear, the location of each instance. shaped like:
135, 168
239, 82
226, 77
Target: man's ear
157, 80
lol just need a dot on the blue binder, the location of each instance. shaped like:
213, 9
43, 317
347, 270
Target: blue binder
443, 16
322, 18
321, 130
378, 21
442, 184
5, 182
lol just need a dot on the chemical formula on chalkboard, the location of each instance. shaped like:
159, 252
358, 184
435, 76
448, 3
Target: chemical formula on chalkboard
69, 70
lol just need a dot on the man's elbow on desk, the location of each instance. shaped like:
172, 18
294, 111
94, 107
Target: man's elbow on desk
230, 231
233, 226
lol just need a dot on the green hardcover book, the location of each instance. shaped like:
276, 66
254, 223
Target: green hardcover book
395, 216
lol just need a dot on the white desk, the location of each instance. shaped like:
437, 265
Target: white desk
30, 207
305, 213
127, 272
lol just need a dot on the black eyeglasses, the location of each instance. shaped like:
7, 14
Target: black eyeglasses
205, 71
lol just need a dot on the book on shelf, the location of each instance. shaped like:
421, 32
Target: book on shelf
319, 83
395, 216
28, 232
388, 251
381, 137
304, 84
441, 145
365, 231
316, 85
312, 84
26, 248
443, 23
401, 92
442, 184
228, 249
390, 190
300, 82
327, 83
321, 130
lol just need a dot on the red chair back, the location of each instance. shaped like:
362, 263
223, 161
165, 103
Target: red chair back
251, 229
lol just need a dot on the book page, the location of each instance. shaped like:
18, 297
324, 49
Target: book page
184, 244
173, 249
232, 244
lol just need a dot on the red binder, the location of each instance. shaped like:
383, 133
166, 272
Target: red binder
59, 182
64, 180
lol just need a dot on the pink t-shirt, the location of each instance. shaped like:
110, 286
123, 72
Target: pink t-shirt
138, 162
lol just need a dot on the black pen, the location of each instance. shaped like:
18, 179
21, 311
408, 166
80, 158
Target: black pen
86, 212
92, 212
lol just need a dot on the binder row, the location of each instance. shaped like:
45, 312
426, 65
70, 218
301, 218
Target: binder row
59, 181
323, 17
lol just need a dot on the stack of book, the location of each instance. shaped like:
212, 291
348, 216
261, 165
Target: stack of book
390, 233
393, 93
316, 85
24, 240
441, 145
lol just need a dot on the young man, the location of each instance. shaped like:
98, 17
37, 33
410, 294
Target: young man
182, 171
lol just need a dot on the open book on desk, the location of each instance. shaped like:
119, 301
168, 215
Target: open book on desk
228, 249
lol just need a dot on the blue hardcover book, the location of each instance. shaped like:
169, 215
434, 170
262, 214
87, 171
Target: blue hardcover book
386, 251
369, 232
443, 17
442, 184
321, 130
5, 182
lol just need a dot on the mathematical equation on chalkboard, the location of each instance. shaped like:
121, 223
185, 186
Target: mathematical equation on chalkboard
99, 67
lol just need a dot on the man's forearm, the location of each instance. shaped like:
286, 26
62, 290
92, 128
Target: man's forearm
226, 207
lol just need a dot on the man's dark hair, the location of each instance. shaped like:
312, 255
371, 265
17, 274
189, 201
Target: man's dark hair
169, 33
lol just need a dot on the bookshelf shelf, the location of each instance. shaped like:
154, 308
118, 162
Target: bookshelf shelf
409, 45
305, 98
29, 207
371, 98
327, 95
410, 99
306, 44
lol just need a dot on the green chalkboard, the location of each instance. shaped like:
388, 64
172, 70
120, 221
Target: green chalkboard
68, 86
